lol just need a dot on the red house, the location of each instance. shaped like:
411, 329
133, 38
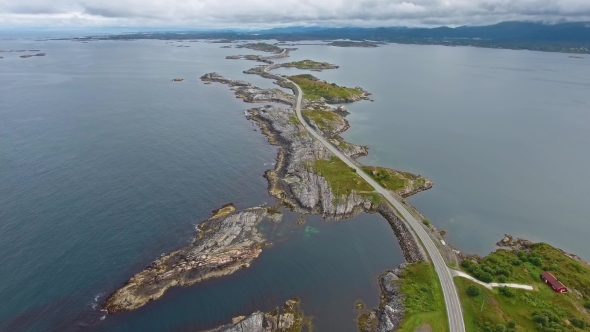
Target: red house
550, 280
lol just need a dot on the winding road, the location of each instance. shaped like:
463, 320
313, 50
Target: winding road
452, 302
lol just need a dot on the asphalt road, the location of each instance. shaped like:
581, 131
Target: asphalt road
452, 302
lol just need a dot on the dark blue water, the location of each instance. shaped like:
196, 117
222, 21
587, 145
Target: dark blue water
503, 134
105, 164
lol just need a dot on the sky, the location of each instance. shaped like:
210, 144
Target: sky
278, 13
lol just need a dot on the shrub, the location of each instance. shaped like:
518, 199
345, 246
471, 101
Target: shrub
500, 328
506, 291
579, 323
473, 291
511, 324
502, 271
488, 269
485, 277
426, 222
587, 304
516, 262
537, 261
466, 264
502, 279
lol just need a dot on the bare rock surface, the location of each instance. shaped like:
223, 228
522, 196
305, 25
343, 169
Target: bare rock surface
390, 313
289, 319
305, 191
222, 246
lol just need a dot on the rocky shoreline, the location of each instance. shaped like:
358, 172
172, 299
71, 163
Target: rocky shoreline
223, 245
289, 319
390, 313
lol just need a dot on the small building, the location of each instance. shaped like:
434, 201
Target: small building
550, 280
341, 108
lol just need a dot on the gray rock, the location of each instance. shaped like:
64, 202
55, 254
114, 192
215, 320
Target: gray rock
222, 246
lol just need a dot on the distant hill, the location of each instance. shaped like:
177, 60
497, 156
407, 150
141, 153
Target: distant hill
558, 37
505, 31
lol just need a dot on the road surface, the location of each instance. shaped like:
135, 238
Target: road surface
452, 302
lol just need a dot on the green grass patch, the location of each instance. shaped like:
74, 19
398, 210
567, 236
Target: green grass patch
424, 300
293, 119
342, 179
323, 119
310, 64
264, 47
538, 310
314, 89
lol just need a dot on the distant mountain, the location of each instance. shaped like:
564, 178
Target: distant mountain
505, 31
558, 37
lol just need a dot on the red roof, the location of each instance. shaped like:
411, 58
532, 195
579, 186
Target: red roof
552, 281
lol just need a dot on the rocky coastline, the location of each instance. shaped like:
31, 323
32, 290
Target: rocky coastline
224, 244
288, 319
390, 313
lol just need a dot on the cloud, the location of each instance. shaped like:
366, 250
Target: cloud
267, 13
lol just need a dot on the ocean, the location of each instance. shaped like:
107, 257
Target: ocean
105, 164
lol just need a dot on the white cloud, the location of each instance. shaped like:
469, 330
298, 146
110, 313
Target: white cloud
265, 13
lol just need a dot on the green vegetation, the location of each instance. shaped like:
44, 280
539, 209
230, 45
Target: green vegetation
509, 309
315, 89
394, 180
424, 300
264, 47
473, 291
342, 179
426, 222
293, 119
323, 119
310, 64
388, 178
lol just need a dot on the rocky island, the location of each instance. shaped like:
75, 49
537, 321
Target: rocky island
289, 319
226, 242
310, 64
264, 47
348, 43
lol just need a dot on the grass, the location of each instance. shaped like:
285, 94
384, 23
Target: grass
394, 180
293, 119
519, 306
315, 89
323, 119
342, 179
264, 47
223, 211
424, 300
309, 64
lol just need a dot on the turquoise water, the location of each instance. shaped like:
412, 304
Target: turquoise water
105, 164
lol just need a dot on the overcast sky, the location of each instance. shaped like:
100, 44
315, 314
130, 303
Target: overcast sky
269, 13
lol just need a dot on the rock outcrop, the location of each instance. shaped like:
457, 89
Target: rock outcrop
222, 246
390, 313
289, 319
293, 181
